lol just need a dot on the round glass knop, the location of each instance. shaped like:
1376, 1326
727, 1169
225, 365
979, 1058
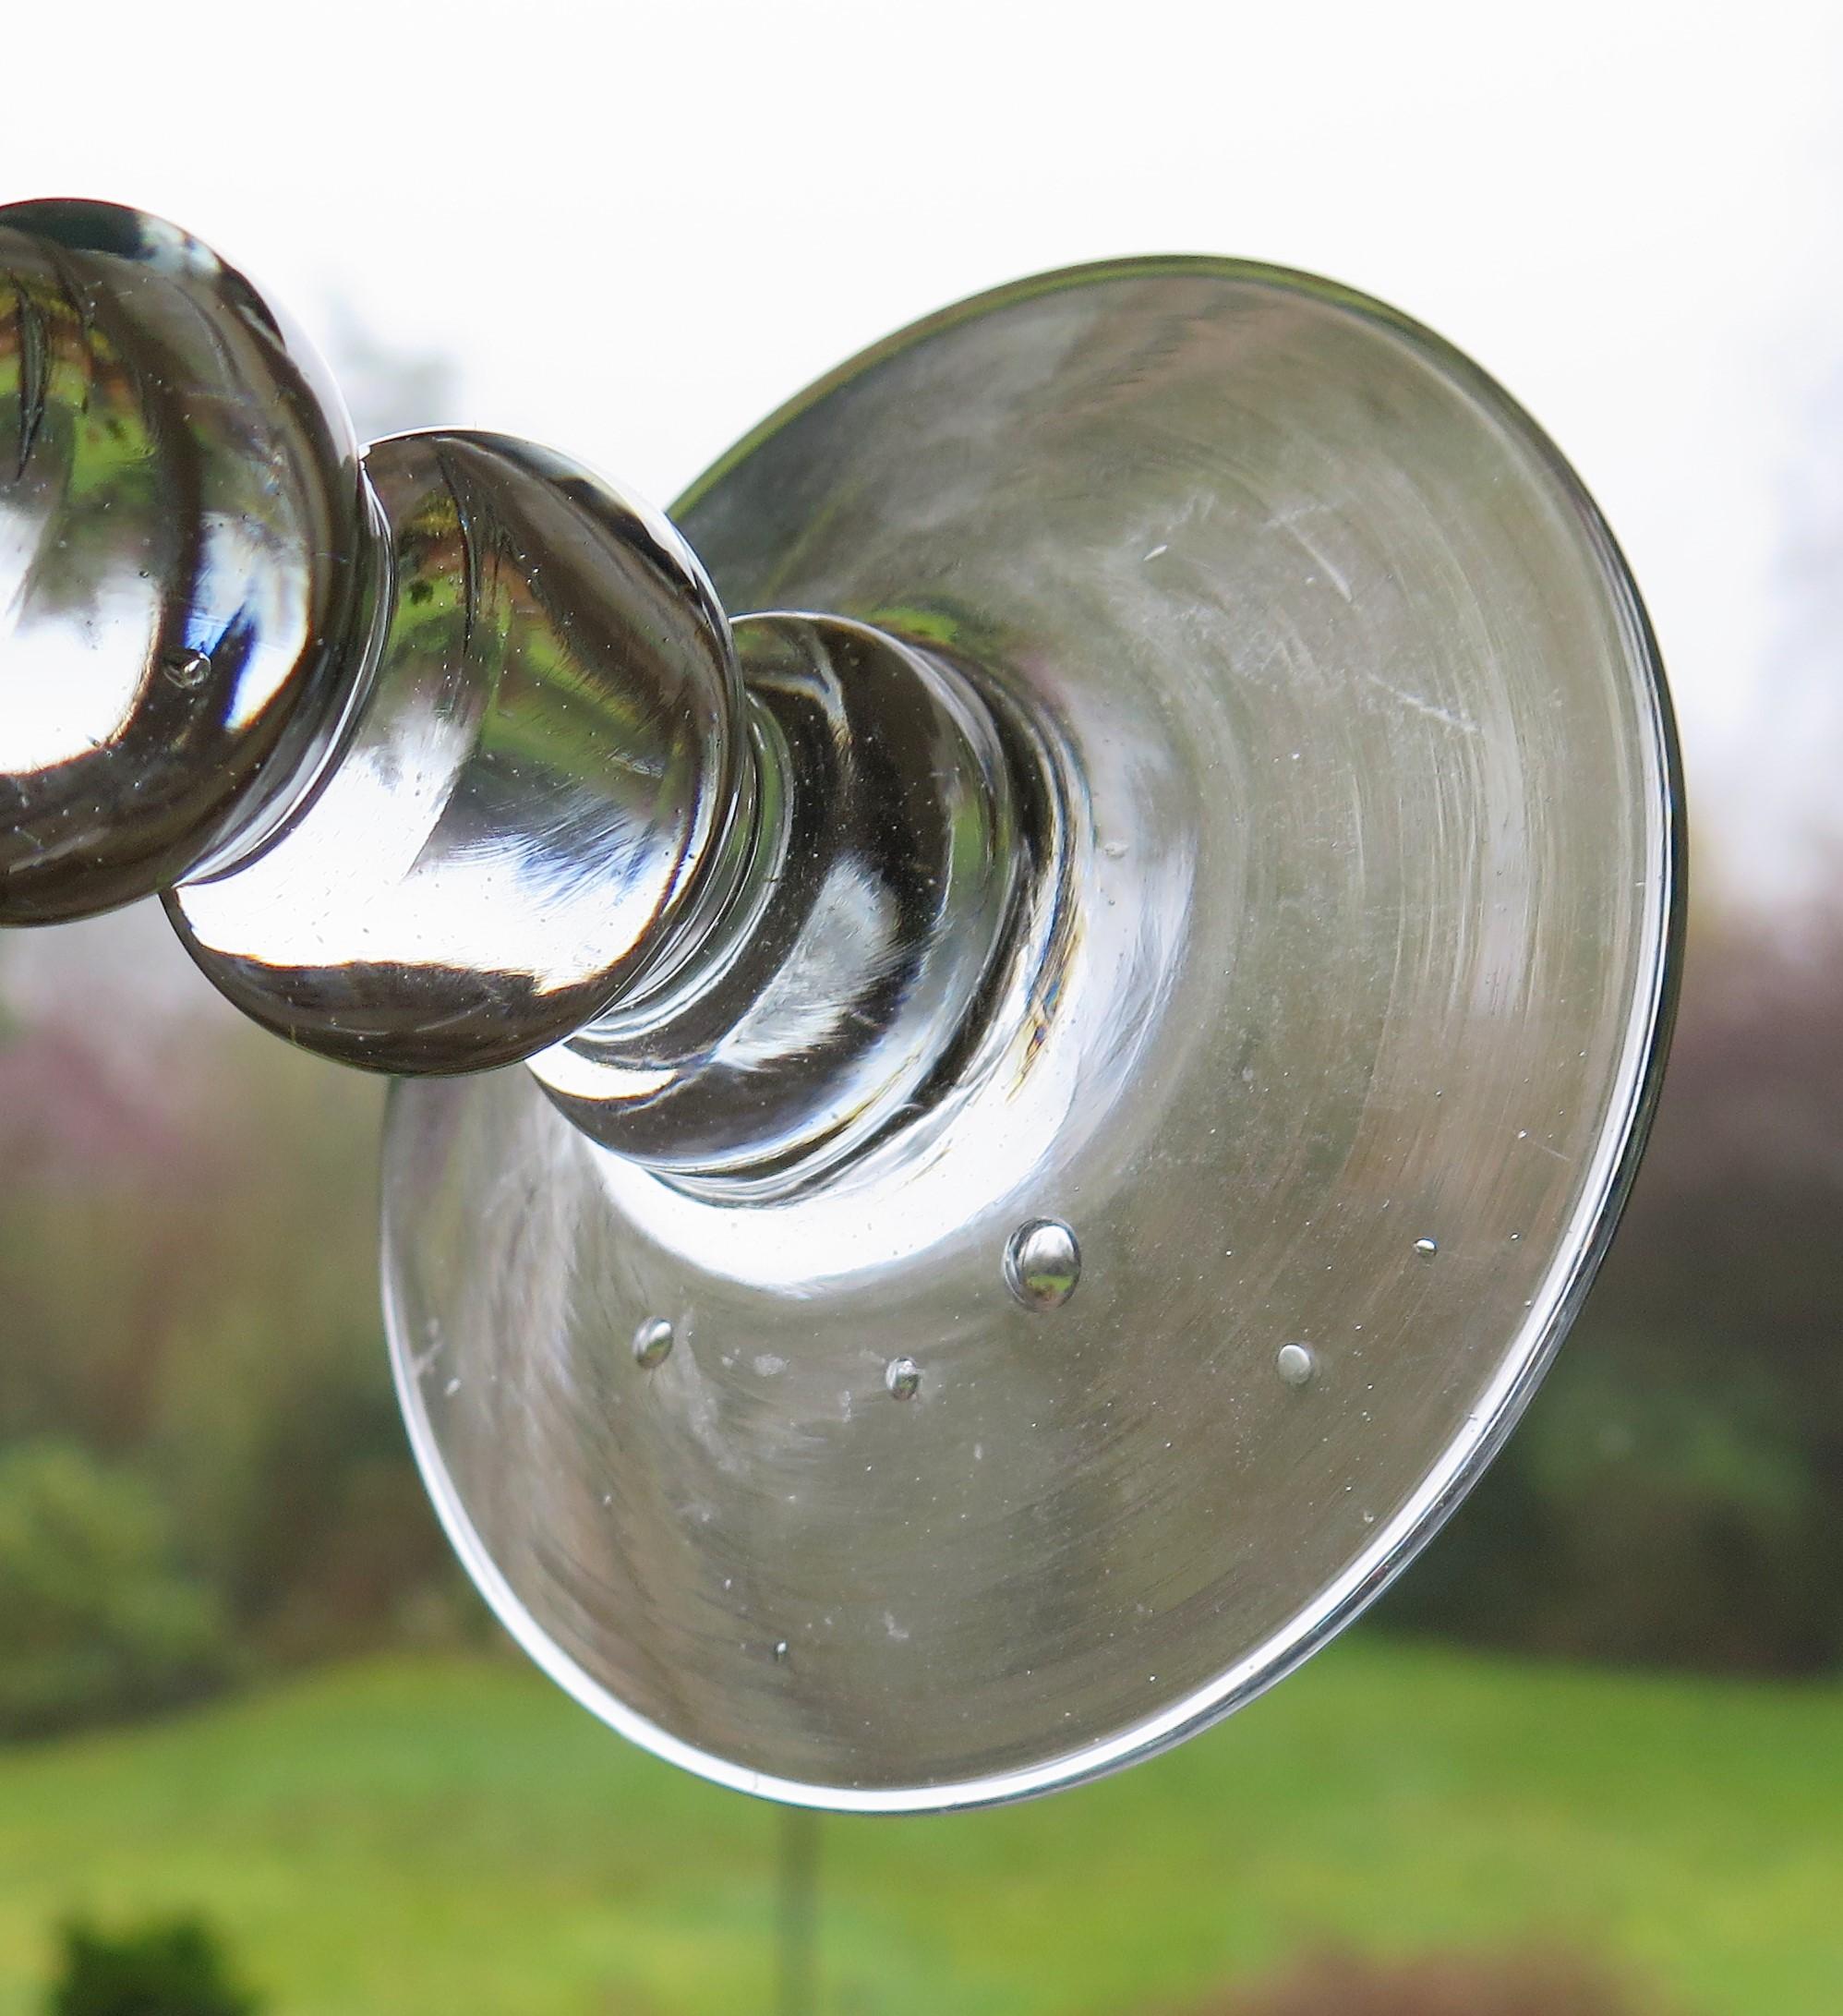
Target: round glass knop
540, 762
183, 559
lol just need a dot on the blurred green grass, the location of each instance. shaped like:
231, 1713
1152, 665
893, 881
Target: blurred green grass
441, 1835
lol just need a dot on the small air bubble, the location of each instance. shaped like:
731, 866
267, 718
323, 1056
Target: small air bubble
1296, 1364
188, 669
452, 1388
903, 1377
1427, 1249
780, 1650
652, 1344
1042, 1263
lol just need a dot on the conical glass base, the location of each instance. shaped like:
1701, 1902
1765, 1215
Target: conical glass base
1111, 1377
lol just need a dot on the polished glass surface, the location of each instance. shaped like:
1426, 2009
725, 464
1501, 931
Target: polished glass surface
183, 559
541, 765
1198, 1276
854, 957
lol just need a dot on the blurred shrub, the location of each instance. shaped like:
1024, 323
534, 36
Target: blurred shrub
176, 1968
100, 1620
1535, 1984
1676, 1489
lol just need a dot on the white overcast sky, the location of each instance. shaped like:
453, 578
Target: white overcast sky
637, 228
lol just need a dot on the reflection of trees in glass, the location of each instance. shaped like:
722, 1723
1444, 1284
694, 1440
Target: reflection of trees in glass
74, 437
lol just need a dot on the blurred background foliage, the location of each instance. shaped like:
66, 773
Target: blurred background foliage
201, 1469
